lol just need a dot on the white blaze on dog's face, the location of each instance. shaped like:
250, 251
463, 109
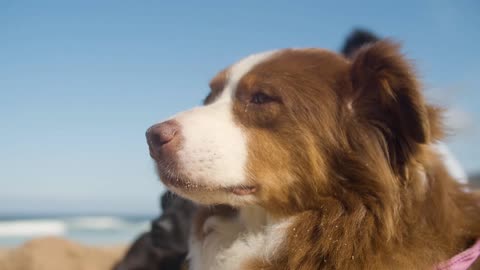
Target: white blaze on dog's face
214, 152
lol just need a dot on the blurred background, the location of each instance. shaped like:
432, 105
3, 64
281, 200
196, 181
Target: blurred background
81, 81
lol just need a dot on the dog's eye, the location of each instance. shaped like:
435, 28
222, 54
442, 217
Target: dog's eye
260, 98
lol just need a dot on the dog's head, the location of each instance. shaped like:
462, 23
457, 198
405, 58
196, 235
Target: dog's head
282, 128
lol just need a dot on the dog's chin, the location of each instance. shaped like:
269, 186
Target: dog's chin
210, 195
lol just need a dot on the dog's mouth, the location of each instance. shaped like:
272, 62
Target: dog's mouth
243, 190
190, 186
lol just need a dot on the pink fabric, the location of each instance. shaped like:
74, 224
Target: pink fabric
463, 260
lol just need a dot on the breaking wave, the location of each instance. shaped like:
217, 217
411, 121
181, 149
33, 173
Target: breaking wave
63, 226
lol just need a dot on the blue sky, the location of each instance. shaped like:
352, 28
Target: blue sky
81, 81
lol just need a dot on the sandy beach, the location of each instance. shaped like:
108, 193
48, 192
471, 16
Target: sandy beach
54, 253
3, 251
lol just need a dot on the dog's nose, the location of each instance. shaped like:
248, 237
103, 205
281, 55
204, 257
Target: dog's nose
161, 134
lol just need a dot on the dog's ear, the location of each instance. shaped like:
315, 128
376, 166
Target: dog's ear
386, 95
357, 39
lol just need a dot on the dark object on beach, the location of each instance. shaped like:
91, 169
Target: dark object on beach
356, 39
166, 244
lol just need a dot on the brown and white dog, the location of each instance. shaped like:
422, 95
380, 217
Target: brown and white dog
306, 159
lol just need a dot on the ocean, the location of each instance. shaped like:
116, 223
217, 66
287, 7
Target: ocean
86, 229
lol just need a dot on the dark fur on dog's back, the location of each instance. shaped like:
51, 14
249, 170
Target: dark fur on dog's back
143, 255
166, 244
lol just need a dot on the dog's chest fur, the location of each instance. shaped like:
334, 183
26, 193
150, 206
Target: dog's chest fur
228, 242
